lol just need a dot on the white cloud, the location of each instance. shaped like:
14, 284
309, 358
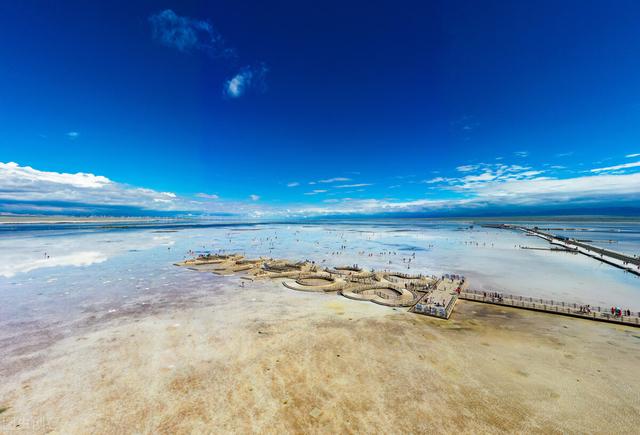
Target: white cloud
435, 180
247, 79
293, 184
617, 167
207, 196
188, 34
27, 190
13, 175
485, 176
26, 184
73, 134
466, 168
316, 191
478, 175
630, 156
521, 153
586, 190
235, 87
541, 190
486, 186
335, 179
345, 186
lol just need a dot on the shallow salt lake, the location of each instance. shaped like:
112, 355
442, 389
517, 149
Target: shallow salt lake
60, 275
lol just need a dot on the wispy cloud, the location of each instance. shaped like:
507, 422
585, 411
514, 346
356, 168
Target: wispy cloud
72, 134
630, 156
316, 191
477, 175
334, 180
293, 184
345, 186
435, 180
188, 34
466, 168
207, 196
617, 167
541, 190
488, 185
521, 153
248, 79
466, 123
537, 191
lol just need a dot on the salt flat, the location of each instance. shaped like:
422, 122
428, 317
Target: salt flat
319, 363
131, 343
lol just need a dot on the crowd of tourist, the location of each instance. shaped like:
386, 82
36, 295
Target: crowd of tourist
495, 296
617, 312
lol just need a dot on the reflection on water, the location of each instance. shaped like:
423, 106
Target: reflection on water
10, 266
58, 275
26, 252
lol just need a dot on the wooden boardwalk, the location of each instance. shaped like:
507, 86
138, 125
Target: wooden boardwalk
551, 306
622, 261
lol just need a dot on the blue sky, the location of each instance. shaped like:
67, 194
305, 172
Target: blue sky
297, 108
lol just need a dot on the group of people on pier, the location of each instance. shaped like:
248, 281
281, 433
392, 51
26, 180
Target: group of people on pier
494, 296
617, 312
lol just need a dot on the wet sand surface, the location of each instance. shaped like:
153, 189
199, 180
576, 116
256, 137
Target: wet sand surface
267, 359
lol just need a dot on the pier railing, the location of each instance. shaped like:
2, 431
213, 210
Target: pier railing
550, 306
450, 305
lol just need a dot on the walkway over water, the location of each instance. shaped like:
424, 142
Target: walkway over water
622, 261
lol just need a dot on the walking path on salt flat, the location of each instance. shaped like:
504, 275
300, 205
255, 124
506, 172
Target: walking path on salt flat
602, 314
